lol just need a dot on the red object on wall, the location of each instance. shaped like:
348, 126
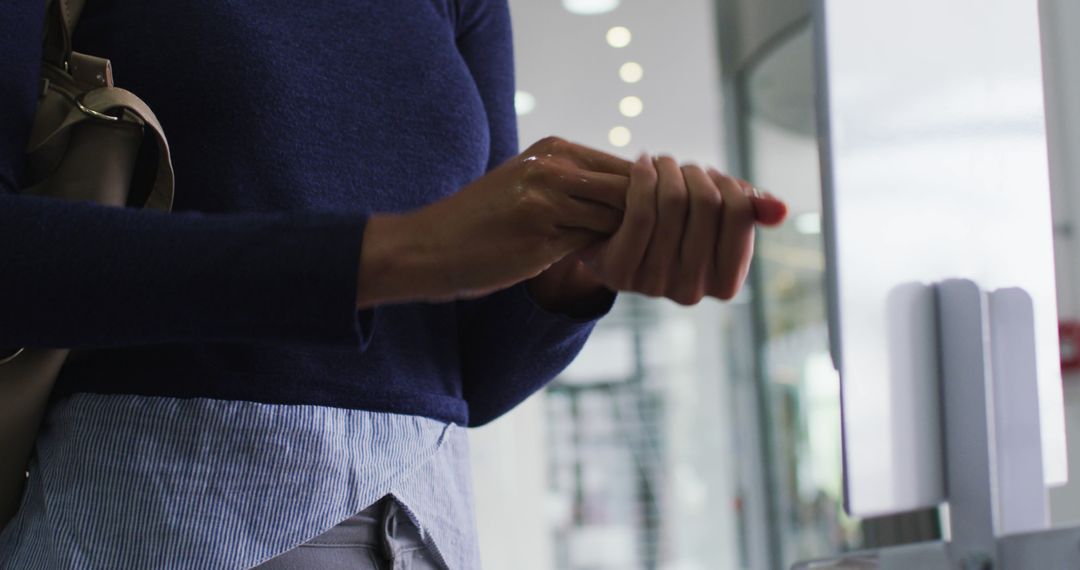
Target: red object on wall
1069, 335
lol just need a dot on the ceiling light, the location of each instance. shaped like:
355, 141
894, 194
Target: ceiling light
586, 7
618, 37
631, 72
619, 136
631, 106
524, 102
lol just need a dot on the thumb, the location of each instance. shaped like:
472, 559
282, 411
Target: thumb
768, 209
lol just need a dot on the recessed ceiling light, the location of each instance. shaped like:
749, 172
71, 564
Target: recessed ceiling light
590, 6
631, 106
618, 37
619, 136
631, 72
524, 102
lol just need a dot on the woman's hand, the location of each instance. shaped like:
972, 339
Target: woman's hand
686, 233
508, 226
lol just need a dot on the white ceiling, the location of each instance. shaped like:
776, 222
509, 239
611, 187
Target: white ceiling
564, 60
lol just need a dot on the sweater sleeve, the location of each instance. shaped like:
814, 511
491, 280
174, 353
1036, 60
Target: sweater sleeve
510, 345
80, 275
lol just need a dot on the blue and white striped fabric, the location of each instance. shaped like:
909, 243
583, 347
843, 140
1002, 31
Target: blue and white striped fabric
142, 482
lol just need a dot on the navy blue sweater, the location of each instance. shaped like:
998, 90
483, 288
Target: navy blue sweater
290, 122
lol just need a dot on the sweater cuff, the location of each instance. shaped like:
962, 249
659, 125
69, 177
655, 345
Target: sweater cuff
318, 269
561, 318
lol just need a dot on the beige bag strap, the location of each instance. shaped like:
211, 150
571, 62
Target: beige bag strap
61, 18
115, 104
108, 100
102, 104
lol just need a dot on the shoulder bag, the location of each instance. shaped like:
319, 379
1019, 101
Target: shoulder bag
89, 141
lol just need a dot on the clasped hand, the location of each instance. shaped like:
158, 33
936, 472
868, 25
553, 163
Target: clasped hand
652, 226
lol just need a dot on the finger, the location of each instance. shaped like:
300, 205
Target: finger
733, 251
598, 161
564, 177
598, 187
583, 156
663, 250
586, 215
571, 240
699, 238
626, 250
768, 209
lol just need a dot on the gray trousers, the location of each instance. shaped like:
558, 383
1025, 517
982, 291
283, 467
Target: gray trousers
381, 537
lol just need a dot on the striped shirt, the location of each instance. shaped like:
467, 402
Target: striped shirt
121, 481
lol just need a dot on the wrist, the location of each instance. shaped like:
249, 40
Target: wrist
389, 262
569, 288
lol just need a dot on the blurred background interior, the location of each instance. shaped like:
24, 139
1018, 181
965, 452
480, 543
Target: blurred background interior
705, 437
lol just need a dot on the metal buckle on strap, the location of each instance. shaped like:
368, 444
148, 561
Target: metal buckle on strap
11, 356
92, 113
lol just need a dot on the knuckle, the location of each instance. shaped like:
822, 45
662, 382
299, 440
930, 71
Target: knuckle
688, 290
727, 290
715, 176
531, 199
652, 282
745, 187
652, 289
729, 180
551, 144
544, 170
686, 298
536, 207
643, 174
667, 160
680, 294
552, 168
691, 170
728, 183
538, 164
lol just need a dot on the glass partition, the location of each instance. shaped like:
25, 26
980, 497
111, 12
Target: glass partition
799, 385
